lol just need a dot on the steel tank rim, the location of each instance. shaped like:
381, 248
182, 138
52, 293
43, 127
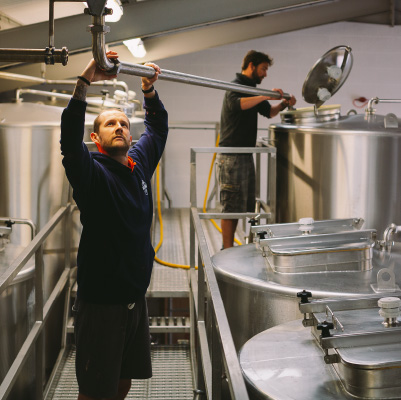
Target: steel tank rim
358, 124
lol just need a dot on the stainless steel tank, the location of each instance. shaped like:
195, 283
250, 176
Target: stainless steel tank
259, 290
336, 166
17, 315
333, 166
352, 351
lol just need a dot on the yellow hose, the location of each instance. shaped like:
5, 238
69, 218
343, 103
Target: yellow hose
168, 264
207, 192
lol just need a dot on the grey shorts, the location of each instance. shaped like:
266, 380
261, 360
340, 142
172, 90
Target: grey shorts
112, 343
236, 174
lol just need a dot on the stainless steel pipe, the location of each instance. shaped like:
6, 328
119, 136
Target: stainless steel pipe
98, 30
48, 56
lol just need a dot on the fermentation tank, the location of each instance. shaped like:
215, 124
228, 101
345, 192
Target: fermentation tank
351, 351
260, 282
333, 166
337, 166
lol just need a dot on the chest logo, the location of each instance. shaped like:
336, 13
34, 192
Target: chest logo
145, 187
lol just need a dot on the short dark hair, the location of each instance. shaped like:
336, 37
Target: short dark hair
256, 58
96, 122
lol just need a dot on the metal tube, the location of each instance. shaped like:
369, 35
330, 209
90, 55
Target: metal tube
98, 30
34, 79
34, 55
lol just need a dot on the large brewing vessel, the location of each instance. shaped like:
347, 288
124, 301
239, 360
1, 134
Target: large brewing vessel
333, 166
347, 349
259, 286
336, 166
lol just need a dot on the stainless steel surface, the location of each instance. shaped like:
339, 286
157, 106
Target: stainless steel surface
35, 55
42, 310
256, 298
285, 362
216, 343
307, 115
313, 227
339, 169
327, 75
16, 319
344, 251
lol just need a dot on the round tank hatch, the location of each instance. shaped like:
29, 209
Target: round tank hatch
327, 75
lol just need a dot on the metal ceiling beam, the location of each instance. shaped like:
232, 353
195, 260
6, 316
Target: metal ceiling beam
184, 42
144, 19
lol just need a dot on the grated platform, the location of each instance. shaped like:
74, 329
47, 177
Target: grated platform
172, 377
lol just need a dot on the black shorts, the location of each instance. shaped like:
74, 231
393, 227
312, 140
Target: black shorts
236, 174
112, 343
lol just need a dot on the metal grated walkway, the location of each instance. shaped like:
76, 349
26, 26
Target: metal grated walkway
172, 377
172, 372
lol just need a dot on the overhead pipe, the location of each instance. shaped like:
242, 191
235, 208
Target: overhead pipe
33, 79
50, 55
98, 30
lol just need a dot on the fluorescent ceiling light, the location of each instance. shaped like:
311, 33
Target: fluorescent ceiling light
136, 47
117, 8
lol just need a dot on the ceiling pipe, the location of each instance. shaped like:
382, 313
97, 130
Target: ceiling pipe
98, 30
35, 80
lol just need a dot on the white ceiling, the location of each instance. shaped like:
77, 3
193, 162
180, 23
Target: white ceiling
26, 12
172, 27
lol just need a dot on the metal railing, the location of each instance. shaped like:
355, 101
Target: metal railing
212, 347
42, 310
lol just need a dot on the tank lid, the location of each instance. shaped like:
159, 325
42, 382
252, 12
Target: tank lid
327, 75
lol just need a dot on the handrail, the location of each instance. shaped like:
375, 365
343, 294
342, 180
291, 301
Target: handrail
42, 311
216, 343
230, 359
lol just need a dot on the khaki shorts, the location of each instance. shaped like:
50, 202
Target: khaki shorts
236, 175
112, 343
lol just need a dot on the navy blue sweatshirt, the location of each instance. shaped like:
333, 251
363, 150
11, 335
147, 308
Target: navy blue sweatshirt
115, 255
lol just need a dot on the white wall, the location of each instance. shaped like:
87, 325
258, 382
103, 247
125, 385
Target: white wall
376, 72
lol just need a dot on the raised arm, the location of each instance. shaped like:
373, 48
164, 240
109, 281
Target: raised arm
92, 73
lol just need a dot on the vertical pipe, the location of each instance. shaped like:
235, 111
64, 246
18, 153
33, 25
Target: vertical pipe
51, 24
193, 205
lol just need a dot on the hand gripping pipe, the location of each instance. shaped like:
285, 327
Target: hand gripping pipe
99, 30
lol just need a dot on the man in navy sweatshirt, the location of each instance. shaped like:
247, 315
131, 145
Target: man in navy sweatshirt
112, 189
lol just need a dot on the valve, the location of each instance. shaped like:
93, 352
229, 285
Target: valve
390, 310
325, 328
261, 234
304, 295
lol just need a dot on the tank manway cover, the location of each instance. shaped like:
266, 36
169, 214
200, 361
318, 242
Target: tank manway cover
327, 75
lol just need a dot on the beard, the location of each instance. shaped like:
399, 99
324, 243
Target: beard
117, 150
256, 77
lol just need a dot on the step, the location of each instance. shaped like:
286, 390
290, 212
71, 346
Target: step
156, 325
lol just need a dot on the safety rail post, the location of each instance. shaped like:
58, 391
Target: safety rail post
39, 345
215, 346
35, 335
